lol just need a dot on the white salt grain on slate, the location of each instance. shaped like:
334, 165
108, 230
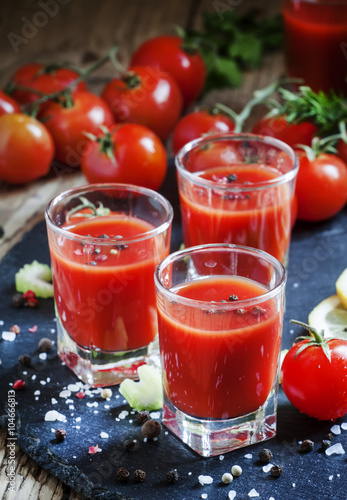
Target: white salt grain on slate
232, 494
37, 393
10, 336
74, 387
65, 394
78, 419
267, 467
104, 435
53, 415
123, 414
205, 480
204, 495
155, 414
253, 493
335, 448
221, 457
248, 455
336, 429
344, 426
331, 478
43, 356
43, 382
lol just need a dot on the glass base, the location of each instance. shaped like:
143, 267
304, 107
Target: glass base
212, 437
99, 368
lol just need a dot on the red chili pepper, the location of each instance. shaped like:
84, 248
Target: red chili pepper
19, 384
80, 394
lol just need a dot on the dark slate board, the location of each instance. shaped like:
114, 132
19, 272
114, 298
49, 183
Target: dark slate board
317, 257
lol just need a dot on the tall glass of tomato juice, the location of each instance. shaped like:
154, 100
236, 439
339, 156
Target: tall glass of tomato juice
237, 188
105, 242
316, 42
220, 313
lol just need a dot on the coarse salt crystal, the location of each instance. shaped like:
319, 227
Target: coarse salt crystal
71, 407
36, 398
78, 419
10, 336
123, 414
48, 380
69, 401
25, 373
104, 435
248, 455
43, 382
2, 322
53, 415
37, 393
253, 493
336, 429
331, 478
344, 426
204, 495
43, 356
221, 457
155, 414
33, 377
205, 479
91, 405
267, 467
232, 494
335, 448
73, 387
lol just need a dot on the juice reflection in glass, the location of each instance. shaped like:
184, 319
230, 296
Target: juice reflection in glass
316, 42
239, 189
220, 310
105, 242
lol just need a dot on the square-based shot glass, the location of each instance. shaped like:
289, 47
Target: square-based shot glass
105, 242
238, 188
220, 313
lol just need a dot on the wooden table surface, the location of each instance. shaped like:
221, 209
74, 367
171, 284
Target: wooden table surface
21, 208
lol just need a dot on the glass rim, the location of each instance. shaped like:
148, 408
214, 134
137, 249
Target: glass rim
218, 306
116, 187
267, 140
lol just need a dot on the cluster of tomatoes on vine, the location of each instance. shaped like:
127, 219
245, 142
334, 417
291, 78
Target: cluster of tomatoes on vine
119, 135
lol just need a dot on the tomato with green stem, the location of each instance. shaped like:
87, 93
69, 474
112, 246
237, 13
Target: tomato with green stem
26, 149
290, 133
45, 78
321, 184
144, 95
68, 119
183, 61
128, 153
314, 375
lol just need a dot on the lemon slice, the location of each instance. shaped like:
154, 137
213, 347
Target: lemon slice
330, 316
341, 288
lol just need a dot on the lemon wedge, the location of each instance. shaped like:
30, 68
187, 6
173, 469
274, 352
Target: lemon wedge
330, 316
341, 288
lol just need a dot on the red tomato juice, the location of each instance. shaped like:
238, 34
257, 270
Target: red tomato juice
105, 293
221, 364
259, 218
316, 43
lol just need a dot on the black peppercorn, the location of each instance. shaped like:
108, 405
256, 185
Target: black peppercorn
151, 429
24, 360
139, 475
233, 298
123, 474
142, 417
307, 446
172, 476
130, 444
326, 443
18, 300
276, 470
45, 345
60, 435
265, 456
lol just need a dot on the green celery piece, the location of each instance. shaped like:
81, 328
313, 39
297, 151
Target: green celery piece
36, 277
147, 393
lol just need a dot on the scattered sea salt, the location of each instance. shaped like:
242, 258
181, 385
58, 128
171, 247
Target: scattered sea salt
232, 494
248, 455
43, 382
155, 414
336, 429
25, 373
271, 498
123, 414
331, 478
293, 485
10, 336
53, 415
267, 467
96, 411
37, 393
36, 398
205, 480
190, 473
52, 430
48, 380
204, 495
104, 435
91, 405
43, 356
344, 426
221, 457
2, 322
52, 330
71, 407
33, 377
65, 394
335, 448
295, 285
78, 419
78, 426
253, 493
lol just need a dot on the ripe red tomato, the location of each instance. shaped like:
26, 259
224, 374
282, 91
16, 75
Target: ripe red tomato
195, 124
145, 96
321, 186
168, 54
26, 149
314, 385
138, 154
292, 134
8, 105
67, 124
44, 78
